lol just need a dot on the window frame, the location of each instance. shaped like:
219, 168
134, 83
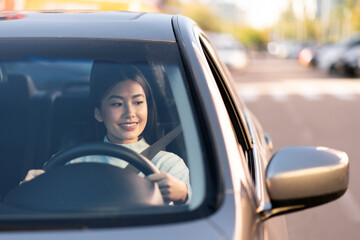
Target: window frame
231, 101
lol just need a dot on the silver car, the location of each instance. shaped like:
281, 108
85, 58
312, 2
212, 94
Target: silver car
239, 188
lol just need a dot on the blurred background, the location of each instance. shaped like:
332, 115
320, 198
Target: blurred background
295, 63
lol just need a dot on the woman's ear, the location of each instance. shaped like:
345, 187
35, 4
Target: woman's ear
97, 115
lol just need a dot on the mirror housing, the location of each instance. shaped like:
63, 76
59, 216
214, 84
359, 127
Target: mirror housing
302, 177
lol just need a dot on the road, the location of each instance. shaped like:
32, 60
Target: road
303, 106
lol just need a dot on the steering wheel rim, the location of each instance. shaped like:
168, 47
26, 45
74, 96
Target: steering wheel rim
137, 160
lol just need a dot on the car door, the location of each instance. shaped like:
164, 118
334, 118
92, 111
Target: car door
250, 139
255, 144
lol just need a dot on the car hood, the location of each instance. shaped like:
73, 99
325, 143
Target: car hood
200, 229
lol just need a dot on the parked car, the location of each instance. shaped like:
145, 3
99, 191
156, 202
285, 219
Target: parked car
289, 49
329, 55
238, 184
308, 55
349, 62
230, 51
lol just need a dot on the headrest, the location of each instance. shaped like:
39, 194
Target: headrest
16, 91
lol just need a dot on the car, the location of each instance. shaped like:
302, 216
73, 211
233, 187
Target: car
241, 189
289, 49
349, 62
329, 55
231, 52
307, 56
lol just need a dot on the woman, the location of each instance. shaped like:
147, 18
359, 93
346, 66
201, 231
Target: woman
124, 106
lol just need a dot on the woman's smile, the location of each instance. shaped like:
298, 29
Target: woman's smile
129, 126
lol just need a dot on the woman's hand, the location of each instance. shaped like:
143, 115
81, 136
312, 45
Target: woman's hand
171, 188
33, 173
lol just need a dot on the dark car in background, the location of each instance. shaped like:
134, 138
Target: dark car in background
240, 189
349, 63
329, 55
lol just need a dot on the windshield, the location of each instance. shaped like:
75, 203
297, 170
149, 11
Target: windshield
56, 95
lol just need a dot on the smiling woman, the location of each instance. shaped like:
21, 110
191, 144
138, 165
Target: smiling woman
124, 112
122, 99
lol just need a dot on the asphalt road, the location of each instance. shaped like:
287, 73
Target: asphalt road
303, 106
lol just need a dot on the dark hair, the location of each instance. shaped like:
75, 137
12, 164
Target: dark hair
105, 75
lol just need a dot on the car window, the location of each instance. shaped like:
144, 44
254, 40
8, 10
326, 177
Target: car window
231, 103
47, 108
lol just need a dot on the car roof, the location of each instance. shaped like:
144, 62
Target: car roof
87, 24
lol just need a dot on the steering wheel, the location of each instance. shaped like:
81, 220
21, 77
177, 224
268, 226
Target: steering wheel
137, 160
89, 186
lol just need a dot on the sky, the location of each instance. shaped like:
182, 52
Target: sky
262, 13
259, 13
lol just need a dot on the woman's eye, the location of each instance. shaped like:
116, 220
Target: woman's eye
116, 104
138, 102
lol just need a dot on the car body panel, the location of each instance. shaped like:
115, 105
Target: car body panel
187, 230
111, 25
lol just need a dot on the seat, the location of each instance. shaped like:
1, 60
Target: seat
72, 117
15, 131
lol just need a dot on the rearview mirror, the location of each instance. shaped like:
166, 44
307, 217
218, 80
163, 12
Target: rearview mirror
303, 177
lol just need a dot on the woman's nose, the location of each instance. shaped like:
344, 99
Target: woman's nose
129, 110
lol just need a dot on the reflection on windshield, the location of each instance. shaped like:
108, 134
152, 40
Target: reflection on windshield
48, 73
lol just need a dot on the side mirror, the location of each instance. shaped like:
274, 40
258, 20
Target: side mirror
301, 177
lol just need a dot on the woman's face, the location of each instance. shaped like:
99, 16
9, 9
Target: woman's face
124, 112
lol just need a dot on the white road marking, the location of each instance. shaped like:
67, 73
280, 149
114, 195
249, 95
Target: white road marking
342, 92
311, 90
278, 94
251, 94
